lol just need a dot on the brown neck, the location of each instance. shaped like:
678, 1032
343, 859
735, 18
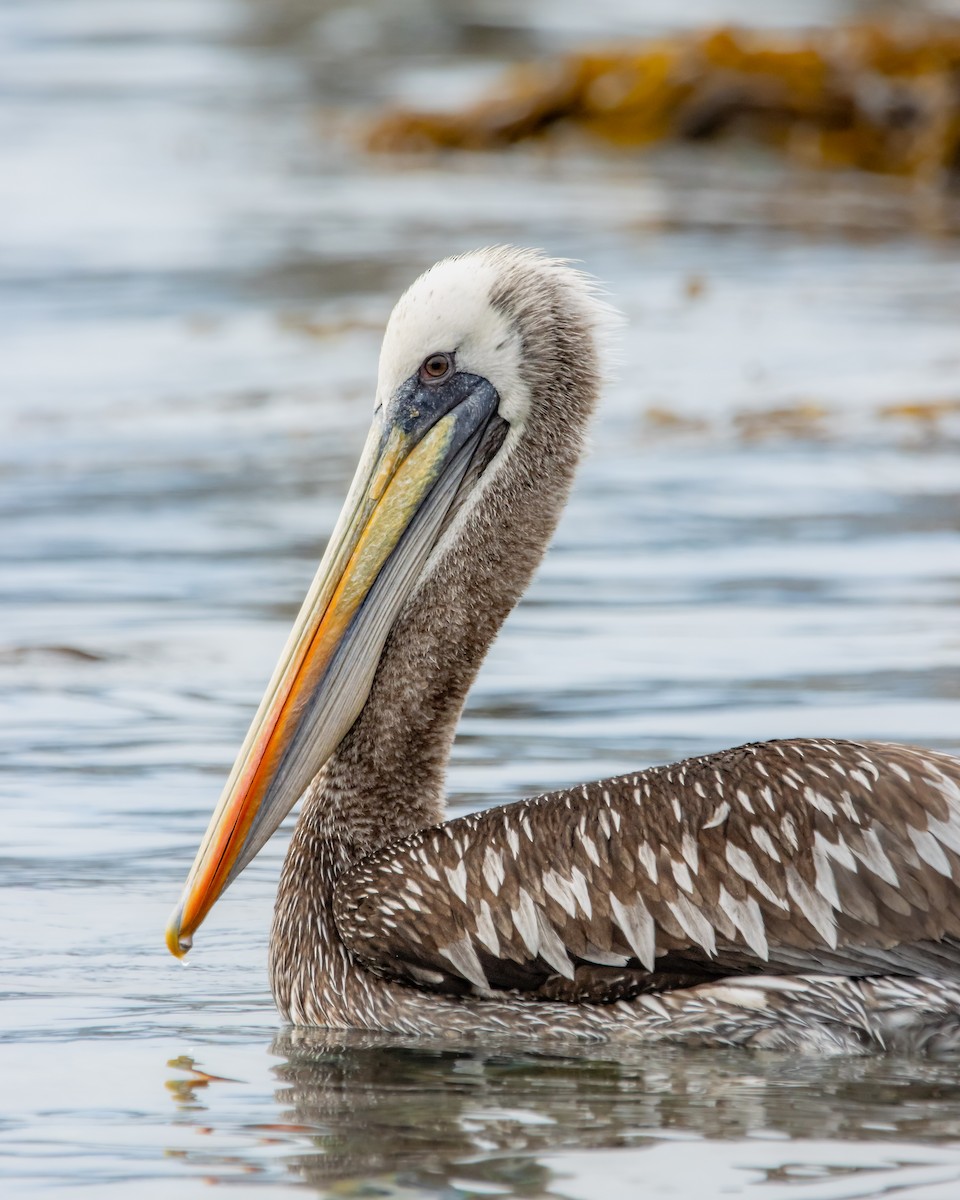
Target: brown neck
386, 778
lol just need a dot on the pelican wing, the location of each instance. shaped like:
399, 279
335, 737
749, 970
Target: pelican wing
803, 855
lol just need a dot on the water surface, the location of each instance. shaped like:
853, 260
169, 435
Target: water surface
195, 266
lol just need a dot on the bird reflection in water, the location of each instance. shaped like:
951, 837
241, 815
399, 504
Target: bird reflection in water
414, 1118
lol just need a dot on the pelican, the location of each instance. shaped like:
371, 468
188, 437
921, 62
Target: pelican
797, 894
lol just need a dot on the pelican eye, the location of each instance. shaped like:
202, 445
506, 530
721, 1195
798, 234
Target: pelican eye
436, 367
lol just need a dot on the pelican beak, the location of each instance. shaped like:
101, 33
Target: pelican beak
413, 465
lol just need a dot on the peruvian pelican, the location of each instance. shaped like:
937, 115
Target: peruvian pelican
796, 894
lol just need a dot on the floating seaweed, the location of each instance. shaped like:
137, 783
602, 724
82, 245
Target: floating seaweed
881, 98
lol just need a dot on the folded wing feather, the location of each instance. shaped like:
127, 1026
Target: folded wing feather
777, 857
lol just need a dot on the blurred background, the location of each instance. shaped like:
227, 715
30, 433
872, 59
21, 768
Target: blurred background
208, 209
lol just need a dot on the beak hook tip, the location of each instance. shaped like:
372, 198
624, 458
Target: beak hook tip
178, 944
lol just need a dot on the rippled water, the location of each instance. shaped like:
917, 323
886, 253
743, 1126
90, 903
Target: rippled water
195, 263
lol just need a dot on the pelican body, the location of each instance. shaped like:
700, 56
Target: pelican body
797, 894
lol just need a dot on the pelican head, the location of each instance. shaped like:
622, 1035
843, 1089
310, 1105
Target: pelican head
489, 372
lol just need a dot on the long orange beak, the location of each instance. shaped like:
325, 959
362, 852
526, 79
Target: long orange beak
402, 491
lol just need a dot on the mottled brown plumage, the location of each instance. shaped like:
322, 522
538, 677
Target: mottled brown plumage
788, 894
785, 856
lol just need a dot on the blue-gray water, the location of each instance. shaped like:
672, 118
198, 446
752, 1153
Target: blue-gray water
195, 264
